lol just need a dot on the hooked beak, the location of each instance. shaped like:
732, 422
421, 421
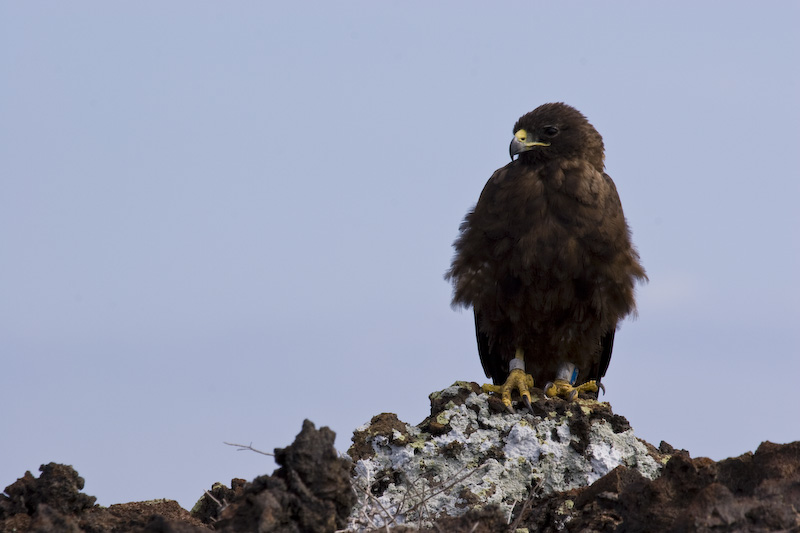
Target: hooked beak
521, 143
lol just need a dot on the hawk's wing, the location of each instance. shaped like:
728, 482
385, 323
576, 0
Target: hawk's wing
494, 365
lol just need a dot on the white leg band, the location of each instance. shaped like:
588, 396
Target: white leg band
516, 363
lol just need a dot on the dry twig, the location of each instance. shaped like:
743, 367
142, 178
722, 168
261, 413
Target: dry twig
243, 447
525, 506
416, 491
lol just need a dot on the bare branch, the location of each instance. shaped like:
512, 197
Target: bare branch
442, 487
388, 518
213, 498
525, 506
243, 447
415, 499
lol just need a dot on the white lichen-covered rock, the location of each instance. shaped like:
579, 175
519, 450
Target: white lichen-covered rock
471, 453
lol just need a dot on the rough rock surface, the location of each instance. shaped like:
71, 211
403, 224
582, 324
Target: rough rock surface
310, 492
468, 467
752, 492
209, 508
470, 453
59, 487
53, 502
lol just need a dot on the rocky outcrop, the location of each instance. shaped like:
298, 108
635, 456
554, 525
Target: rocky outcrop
54, 502
469, 467
58, 487
753, 492
568, 466
309, 493
470, 453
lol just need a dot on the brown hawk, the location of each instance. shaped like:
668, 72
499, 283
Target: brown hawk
545, 260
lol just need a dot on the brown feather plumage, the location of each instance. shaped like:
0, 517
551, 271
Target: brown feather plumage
545, 258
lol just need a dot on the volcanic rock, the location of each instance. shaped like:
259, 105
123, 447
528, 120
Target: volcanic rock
310, 493
470, 453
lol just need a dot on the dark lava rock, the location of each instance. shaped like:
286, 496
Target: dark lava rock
752, 492
386, 424
153, 516
59, 488
53, 502
311, 492
210, 506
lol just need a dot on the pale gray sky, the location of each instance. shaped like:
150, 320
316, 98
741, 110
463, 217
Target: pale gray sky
218, 219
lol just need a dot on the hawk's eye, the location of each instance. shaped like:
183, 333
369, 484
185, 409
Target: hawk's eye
550, 131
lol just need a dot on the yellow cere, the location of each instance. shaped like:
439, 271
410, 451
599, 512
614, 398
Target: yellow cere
522, 136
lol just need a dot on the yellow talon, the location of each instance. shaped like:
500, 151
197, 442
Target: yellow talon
517, 380
563, 389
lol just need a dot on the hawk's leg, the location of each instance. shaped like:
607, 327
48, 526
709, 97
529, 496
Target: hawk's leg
564, 385
517, 380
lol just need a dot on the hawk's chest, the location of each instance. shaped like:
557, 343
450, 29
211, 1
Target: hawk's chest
540, 220
531, 201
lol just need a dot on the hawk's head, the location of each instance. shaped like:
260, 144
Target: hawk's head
556, 131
